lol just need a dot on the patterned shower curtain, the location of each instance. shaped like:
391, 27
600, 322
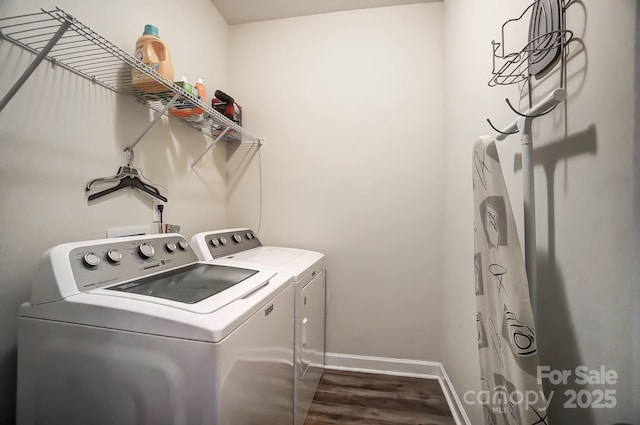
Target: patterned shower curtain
511, 393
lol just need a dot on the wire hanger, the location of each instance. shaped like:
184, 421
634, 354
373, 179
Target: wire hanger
127, 176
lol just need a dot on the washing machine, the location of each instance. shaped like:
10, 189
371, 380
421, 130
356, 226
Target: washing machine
241, 247
136, 330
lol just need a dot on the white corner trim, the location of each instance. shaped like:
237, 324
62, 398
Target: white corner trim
459, 414
402, 367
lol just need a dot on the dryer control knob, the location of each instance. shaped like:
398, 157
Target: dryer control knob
249, 235
114, 256
222, 240
171, 247
183, 245
237, 238
215, 242
146, 251
90, 259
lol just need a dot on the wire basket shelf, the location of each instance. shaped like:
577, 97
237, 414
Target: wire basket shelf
88, 54
547, 42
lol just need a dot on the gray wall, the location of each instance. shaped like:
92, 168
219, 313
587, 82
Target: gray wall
636, 229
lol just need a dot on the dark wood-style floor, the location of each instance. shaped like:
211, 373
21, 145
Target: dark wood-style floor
353, 398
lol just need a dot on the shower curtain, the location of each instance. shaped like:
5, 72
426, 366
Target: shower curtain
511, 393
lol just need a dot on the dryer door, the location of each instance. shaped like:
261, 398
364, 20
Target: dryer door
312, 320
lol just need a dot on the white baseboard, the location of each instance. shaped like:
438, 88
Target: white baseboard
402, 367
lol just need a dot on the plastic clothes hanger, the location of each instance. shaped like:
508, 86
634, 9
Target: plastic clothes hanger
127, 176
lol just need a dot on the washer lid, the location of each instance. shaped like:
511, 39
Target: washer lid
296, 262
187, 285
199, 288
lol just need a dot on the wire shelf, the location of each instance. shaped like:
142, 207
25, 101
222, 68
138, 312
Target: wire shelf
86, 53
548, 39
515, 68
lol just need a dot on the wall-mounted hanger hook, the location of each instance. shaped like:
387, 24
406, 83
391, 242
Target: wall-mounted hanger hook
528, 116
501, 132
128, 155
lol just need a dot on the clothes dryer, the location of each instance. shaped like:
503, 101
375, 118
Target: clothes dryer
242, 248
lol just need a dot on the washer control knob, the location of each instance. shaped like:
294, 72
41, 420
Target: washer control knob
237, 238
183, 245
171, 247
254, 235
215, 242
90, 259
222, 240
146, 251
114, 256
249, 236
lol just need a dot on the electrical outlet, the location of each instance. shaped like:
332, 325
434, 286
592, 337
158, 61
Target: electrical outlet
155, 212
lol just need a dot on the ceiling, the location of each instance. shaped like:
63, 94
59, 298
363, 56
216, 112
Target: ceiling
245, 11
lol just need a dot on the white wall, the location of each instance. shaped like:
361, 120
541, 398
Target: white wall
584, 190
60, 131
351, 106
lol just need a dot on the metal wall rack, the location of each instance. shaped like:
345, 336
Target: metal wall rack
60, 38
546, 46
